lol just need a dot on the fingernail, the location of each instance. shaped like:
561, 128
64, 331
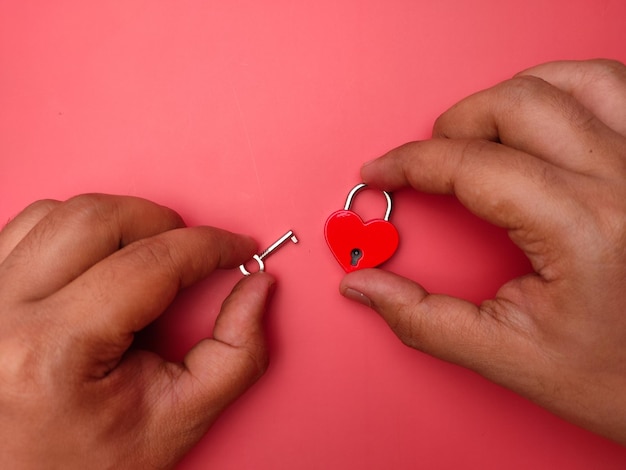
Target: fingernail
357, 296
368, 163
271, 290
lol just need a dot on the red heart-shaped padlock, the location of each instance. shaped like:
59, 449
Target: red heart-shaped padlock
357, 244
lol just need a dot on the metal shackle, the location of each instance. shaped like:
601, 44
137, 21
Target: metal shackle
358, 188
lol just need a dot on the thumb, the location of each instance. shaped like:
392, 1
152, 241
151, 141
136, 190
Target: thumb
216, 371
446, 327
222, 368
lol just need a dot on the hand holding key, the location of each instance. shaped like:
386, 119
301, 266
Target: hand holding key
77, 280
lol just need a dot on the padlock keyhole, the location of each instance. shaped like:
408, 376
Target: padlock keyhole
355, 255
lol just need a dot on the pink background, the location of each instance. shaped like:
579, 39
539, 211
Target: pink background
256, 116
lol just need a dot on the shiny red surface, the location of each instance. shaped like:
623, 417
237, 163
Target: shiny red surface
256, 116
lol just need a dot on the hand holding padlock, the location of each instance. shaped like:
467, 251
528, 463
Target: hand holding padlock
357, 244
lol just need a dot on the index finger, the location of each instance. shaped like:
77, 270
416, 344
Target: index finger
502, 185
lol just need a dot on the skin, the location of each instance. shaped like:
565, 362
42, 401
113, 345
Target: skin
77, 280
544, 156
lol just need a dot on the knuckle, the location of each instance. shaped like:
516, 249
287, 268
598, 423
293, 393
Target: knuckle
472, 148
258, 360
406, 325
522, 88
499, 311
34, 212
92, 208
531, 96
152, 251
19, 364
88, 200
471, 155
609, 69
253, 356
42, 206
441, 125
